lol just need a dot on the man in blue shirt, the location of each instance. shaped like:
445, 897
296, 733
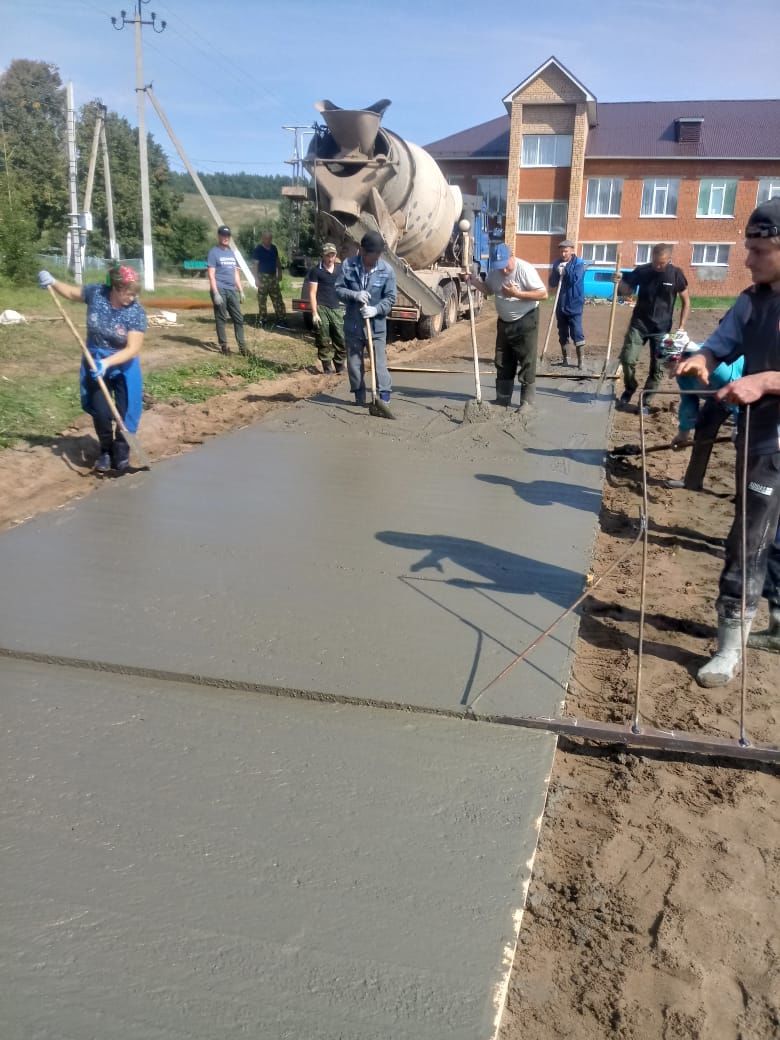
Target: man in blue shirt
267, 270
226, 291
751, 328
366, 284
570, 273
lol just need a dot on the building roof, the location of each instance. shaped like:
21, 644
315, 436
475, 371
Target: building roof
551, 61
646, 130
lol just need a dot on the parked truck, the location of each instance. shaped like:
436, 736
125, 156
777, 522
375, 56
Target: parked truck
366, 178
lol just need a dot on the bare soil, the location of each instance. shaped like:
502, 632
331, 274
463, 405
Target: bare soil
652, 912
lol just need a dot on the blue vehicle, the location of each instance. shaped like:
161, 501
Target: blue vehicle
598, 282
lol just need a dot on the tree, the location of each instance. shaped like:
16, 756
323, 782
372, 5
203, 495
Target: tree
17, 237
32, 105
189, 239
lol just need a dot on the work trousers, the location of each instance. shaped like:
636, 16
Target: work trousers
516, 343
329, 335
632, 347
110, 440
762, 565
268, 285
230, 308
570, 327
712, 416
356, 348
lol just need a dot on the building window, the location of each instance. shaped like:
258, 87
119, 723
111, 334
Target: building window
542, 218
768, 188
603, 196
599, 252
493, 192
659, 197
644, 252
710, 255
716, 198
546, 150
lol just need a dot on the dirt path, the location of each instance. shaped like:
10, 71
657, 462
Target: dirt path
653, 908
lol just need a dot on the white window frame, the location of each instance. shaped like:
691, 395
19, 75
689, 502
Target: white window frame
705, 246
660, 184
720, 184
768, 188
493, 195
600, 254
613, 182
641, 246
561, 148
560, 229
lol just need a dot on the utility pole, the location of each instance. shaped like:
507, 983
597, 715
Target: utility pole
113, 245
140, 89
74, 234
297, 192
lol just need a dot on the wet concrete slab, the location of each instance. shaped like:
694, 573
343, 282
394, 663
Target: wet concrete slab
184, 864
330, 552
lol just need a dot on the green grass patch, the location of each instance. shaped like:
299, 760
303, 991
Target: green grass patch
712, 303
36, 410
198, 382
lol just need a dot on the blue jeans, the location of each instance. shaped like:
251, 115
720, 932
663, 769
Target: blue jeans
570, 327
356, 348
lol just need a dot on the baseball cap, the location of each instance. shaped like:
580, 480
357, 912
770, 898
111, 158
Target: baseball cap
764, 221
372, 242
329, 248
501, 253
223, 229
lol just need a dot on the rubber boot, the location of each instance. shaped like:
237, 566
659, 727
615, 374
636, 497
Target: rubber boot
770, 638
504, 388
564, 356
327, 368
120, 454
724, 664
360, 398
527, 396
384, 395
579, 348
103, 462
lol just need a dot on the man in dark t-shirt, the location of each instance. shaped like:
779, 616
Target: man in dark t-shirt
657, 284
327, 312
267, 270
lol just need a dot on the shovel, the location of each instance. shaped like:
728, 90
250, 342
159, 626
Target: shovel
131, 439
377, 406
477, 410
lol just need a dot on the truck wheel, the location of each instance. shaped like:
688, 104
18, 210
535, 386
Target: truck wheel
430, 327
450, 312
408, 329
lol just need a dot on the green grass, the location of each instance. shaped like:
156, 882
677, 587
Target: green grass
235, 212
712, 303
198, 382
36, 410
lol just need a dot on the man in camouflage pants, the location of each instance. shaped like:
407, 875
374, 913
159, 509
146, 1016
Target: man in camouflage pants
268, 276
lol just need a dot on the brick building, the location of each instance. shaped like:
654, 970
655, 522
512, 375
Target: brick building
618, 177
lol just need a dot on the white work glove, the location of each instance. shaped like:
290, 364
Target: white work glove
241, 295
316, 319
216, 298
45, 279
561, 269
363, 296
368, 311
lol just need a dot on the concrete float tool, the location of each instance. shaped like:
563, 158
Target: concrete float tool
476, 410
377, 406
131, 439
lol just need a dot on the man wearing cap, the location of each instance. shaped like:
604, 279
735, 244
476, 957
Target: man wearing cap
327, 312
518, 289
267, 270
226, 291
569, 273
750, 328
657, 285
366, 284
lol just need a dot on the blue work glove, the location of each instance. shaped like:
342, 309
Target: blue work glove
363, 296
99, 369
45, 279
368, 311
216, 298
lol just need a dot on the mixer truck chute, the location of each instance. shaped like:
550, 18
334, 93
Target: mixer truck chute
366, 178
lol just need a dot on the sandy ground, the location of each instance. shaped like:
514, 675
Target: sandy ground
653, 908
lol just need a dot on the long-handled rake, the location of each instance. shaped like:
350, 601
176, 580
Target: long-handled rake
377, 407
131, 439
551, 321
476, 410
611, 325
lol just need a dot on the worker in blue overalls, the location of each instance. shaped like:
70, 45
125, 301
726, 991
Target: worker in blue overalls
570, 273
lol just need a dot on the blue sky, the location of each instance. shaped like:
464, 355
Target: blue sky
231, 73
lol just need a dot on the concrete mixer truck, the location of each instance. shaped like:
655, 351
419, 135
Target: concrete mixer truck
366, 178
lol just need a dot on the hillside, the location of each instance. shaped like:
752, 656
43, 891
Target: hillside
235, 212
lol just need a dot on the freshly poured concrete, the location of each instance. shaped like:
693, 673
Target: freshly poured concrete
331, 552
186, 862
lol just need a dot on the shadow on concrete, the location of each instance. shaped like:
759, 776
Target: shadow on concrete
497, 570
446, 395
548, 492
79, 452
574, 397
587, 456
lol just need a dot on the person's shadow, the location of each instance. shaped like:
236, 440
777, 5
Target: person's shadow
587, 456
78, 451
497, 570
548, 492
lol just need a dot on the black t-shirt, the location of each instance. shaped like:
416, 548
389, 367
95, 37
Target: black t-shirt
326, 286
657, 294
